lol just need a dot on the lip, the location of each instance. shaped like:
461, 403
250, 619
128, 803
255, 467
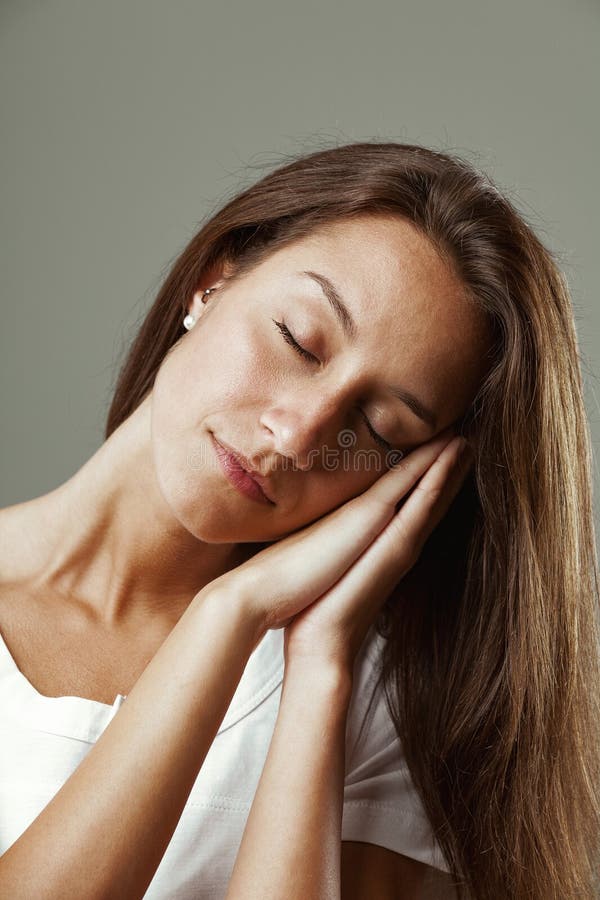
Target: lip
241, 474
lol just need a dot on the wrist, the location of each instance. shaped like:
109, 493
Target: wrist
318, 679
230, 599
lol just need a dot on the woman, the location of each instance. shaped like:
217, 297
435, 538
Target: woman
330, 331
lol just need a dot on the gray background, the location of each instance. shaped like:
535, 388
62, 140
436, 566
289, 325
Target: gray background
126, 122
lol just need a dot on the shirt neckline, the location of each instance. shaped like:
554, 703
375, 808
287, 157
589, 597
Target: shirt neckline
84, 719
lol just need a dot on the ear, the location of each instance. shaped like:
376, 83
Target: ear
211, 278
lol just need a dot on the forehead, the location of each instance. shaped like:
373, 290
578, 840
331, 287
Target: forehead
409, 305
382, 266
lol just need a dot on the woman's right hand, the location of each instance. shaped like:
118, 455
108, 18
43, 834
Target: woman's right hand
287, 576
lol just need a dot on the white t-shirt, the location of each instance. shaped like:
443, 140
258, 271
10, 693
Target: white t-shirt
43, 740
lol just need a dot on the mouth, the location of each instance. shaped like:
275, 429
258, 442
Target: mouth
241, 474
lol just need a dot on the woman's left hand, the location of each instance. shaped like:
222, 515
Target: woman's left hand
330, 631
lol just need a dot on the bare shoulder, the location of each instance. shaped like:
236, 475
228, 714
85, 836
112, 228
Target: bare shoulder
20, 617
54, 641
20, 526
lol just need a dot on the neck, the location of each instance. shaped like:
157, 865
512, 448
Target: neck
107, 538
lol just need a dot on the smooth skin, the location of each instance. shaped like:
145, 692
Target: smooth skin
106, 847
301, 839
143, 580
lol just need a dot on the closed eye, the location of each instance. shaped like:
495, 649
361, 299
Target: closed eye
289, 337
291, 340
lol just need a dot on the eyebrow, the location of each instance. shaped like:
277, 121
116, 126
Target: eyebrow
344, 317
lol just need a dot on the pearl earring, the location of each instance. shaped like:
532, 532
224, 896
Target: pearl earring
190, 320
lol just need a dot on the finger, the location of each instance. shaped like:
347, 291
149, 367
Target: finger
392, 485
333, 543
425, 507
395, 550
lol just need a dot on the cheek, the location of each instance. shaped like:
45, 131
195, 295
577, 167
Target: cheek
243, 369
329, 489
186, 399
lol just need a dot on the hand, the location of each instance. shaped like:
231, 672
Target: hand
333, 628
326, 560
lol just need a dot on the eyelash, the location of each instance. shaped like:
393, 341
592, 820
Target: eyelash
291, 340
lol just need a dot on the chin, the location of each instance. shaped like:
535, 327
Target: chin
213, 515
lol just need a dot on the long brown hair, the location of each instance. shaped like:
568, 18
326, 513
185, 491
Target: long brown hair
492, 660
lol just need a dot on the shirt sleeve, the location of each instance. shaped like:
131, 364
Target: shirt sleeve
381, 805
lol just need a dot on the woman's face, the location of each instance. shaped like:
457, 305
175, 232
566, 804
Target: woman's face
302, 420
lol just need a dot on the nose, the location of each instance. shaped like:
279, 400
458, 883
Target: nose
300, 424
